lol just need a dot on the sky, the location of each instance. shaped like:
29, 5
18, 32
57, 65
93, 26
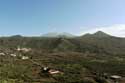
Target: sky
37, 17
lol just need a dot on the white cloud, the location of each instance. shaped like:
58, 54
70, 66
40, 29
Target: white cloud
115, 30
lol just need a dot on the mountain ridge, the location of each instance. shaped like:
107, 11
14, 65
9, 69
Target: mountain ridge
93, 44
97, 34
67, 35
55, 34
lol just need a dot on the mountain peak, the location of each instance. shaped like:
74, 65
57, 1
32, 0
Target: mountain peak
101, 34
17, 36
97, 34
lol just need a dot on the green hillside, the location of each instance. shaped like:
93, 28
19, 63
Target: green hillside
83, 59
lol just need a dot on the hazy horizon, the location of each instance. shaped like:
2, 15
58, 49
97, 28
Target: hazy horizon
59, 34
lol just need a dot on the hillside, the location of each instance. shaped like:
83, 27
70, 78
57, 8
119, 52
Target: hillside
99, 42
83, 59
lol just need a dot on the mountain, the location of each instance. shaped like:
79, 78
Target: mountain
54, 34
87, 57
98, 42
17, 36
97, 34
101, 34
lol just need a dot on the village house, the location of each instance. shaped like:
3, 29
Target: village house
116, 78
23, 49
52, 71
25, 57
2, 54
13, 55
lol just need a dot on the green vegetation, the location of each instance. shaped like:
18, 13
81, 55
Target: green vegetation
80, 60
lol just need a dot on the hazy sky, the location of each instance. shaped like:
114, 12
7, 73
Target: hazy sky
36, 17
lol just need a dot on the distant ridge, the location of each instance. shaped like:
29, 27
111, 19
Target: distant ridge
17, 36
98, 42
66, 35
55, 34
97, 34
101, 34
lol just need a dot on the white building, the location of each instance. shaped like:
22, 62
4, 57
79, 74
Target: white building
52, 71
23, 49
116, 77
13, 55
25, 57
2, 54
